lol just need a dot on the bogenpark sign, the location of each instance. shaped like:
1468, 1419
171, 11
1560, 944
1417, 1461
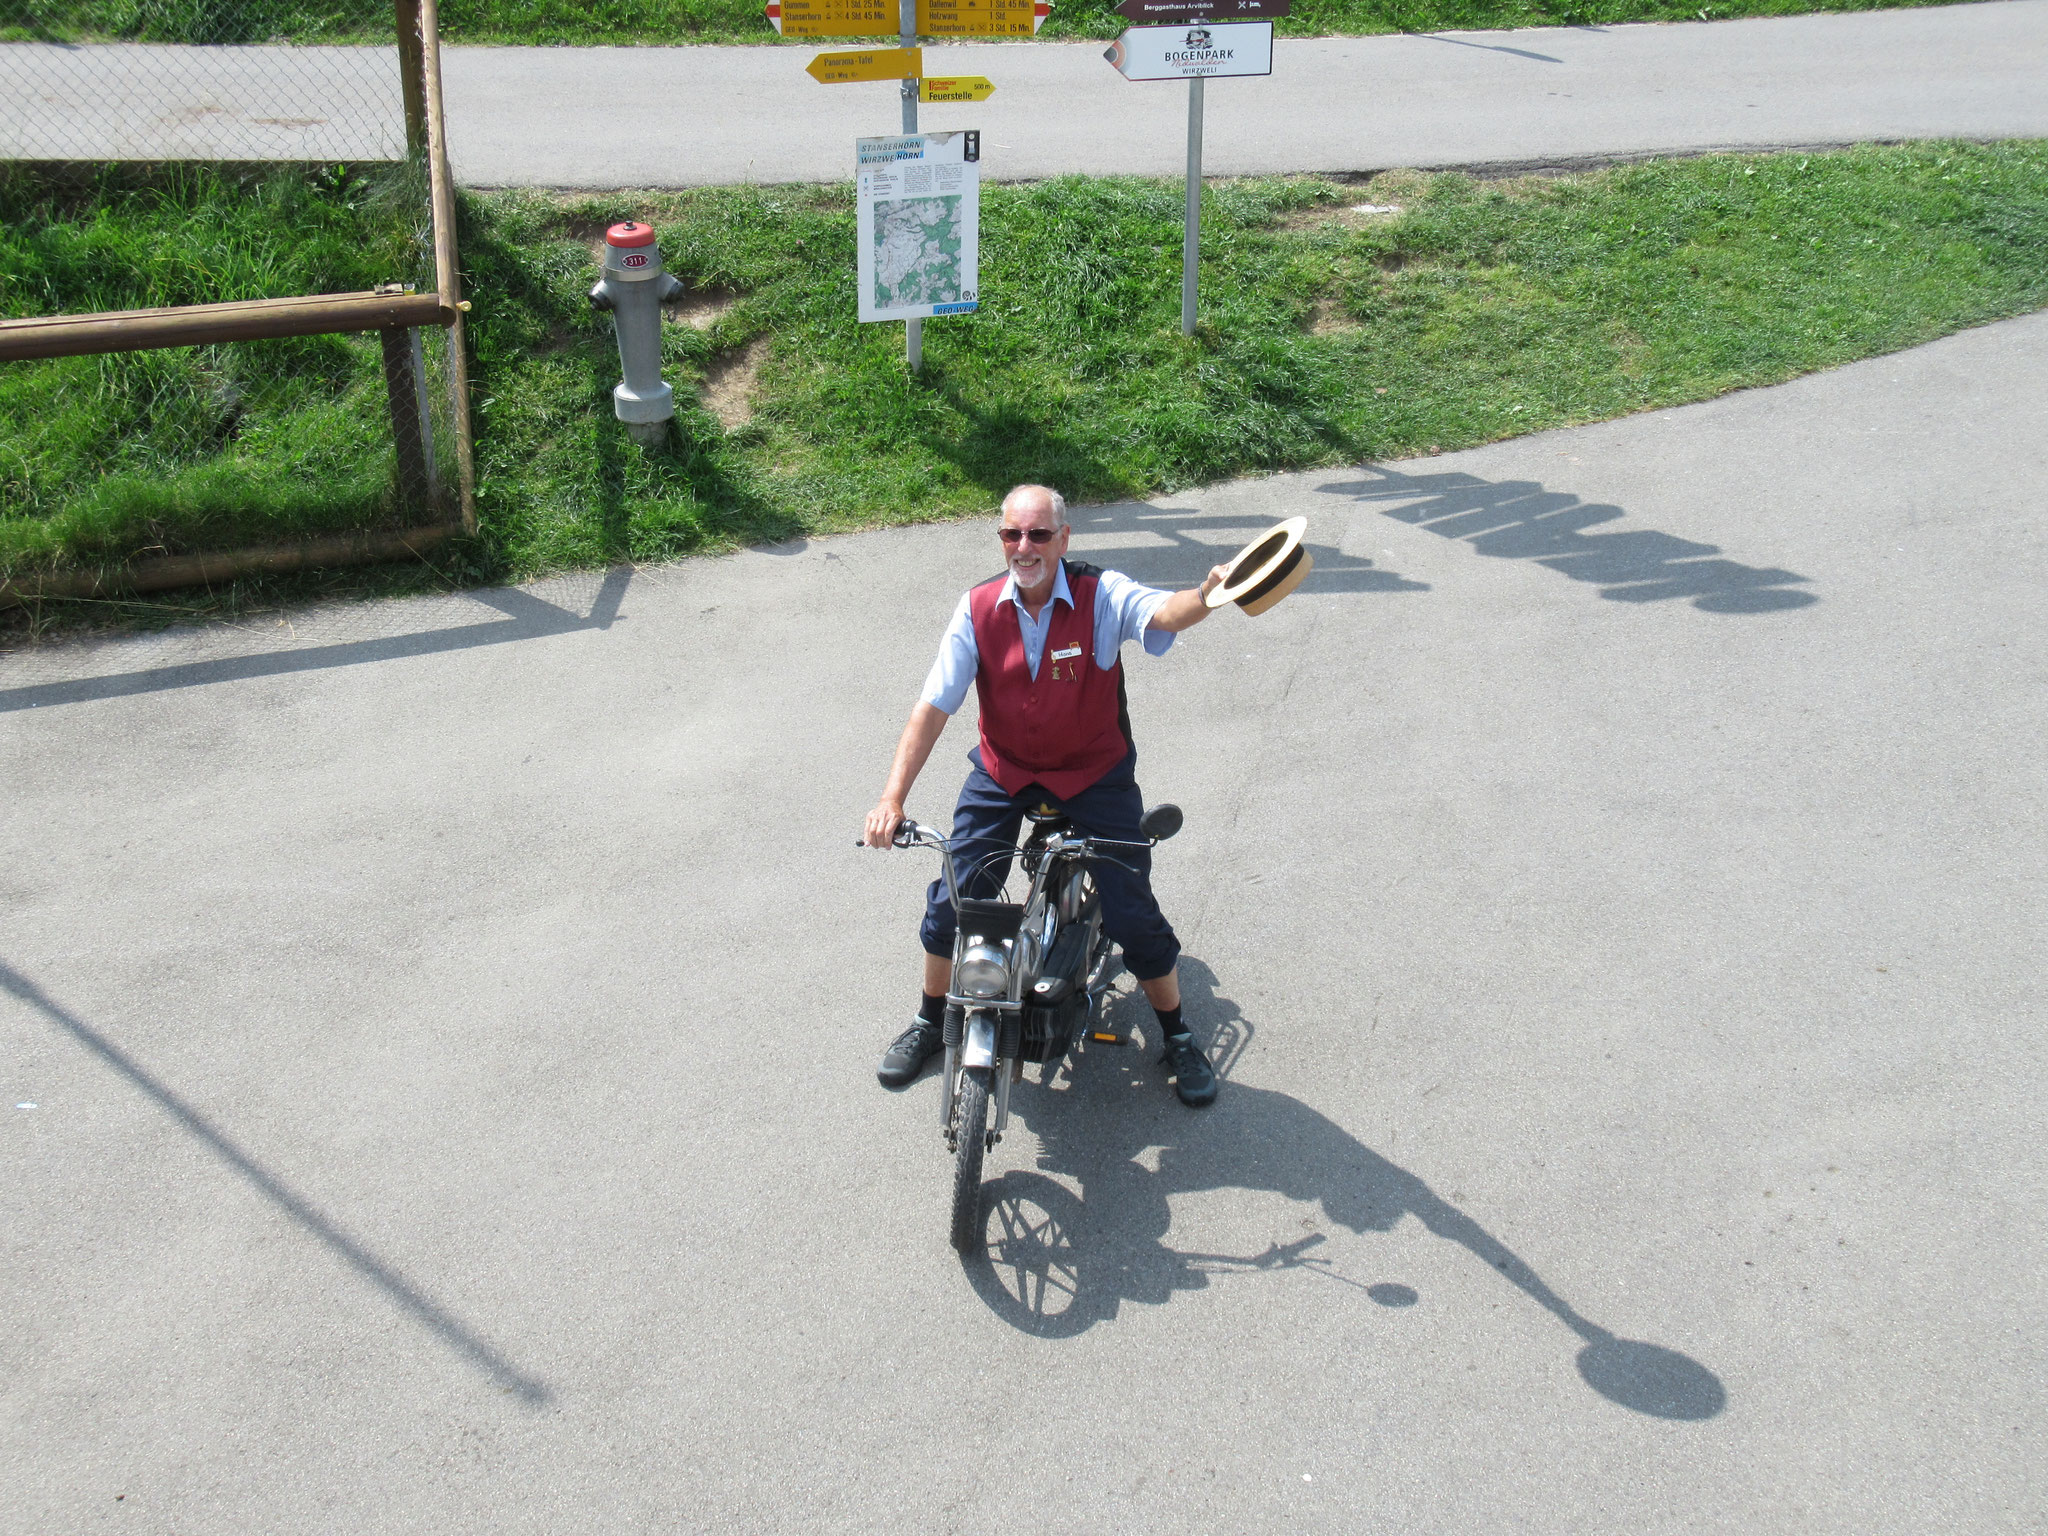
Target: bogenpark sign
1203, 41
1194, 52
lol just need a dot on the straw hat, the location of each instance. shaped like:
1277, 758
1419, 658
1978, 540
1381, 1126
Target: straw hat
1266, 570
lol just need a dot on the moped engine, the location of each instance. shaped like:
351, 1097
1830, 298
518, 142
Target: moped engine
1049, 1032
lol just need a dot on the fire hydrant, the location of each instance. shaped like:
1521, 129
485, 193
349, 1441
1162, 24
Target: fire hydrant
633, 290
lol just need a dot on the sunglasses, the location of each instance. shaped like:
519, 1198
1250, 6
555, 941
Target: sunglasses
1019, 535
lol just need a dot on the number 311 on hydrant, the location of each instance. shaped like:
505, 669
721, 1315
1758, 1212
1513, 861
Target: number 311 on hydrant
633, 289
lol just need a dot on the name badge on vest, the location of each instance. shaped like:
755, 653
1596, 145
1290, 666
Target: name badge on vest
1073, 673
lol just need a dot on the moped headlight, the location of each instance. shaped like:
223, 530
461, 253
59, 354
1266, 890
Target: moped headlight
982, 971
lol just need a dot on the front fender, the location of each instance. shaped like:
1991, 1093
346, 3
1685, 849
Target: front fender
979, 1050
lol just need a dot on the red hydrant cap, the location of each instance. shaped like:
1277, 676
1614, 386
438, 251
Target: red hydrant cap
629, 234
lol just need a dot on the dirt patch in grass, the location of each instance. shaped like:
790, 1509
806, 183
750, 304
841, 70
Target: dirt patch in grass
729, 384
1327, 318
1362, 215
702, 308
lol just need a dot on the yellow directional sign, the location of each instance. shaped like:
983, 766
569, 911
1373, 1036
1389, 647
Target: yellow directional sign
877, 64
935, 18
980, 18
956, 88
834, 18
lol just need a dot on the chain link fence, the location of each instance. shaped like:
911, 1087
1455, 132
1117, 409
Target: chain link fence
208, 80
157, 155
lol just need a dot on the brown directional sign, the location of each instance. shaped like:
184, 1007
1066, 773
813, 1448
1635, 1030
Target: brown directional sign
1163, 13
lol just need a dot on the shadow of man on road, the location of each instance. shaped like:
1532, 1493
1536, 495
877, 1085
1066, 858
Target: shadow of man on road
1057, 1263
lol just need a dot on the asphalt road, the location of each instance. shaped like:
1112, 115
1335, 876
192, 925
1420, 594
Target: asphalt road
437, 1035
611, 117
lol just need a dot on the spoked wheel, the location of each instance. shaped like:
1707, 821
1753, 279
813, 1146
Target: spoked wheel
970, 1141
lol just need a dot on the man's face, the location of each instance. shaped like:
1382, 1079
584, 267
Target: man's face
1030, 562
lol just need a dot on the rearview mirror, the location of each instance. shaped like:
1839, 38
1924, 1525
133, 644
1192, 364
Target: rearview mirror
1161, 822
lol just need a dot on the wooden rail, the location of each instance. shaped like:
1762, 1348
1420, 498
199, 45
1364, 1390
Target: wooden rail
390, 310
192, 325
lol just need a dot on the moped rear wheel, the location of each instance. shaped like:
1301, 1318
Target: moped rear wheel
970, 1141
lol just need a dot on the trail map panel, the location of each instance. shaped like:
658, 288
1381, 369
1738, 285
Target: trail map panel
919, 225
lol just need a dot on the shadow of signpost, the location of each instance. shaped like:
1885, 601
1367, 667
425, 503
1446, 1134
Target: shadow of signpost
1176, 546
1058, 1263
1520, 520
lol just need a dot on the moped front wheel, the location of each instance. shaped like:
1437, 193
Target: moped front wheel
970, 1141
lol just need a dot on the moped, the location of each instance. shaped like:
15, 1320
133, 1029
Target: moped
1029, 979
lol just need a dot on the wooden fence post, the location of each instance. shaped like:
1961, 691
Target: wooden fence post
412, 74
412, 429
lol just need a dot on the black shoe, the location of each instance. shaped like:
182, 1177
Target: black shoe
1193, 1078
906, 1058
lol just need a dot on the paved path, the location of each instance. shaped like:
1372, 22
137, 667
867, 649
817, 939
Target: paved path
1614, 885
624, 117
608, 117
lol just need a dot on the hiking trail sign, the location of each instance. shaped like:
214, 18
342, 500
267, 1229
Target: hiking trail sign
1154, 13
919, 235
874, 64
1198, 51
934, 18
1195, 50
955, 88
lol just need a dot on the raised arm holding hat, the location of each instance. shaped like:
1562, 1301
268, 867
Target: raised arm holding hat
1041, 646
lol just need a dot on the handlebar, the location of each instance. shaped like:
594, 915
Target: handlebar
910, 834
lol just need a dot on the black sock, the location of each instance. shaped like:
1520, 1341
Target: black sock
1169, 1021
933, 1009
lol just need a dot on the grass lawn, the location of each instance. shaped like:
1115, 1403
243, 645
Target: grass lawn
1477, 311
743, 21
187, 448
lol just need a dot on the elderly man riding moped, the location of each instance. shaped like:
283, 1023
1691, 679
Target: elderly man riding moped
1042, 647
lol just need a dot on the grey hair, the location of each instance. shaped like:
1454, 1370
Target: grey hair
1059, 502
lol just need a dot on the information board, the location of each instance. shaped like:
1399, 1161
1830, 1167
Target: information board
919, 224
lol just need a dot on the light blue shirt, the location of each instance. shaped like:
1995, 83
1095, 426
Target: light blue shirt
1123, 609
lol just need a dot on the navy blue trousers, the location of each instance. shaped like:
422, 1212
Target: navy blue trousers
985, 826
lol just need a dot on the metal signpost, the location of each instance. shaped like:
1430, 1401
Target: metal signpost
1208, 38
913, 327
913, 19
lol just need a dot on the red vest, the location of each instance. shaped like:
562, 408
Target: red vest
1069, 726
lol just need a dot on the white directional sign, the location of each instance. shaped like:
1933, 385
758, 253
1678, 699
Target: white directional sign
1197, 52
